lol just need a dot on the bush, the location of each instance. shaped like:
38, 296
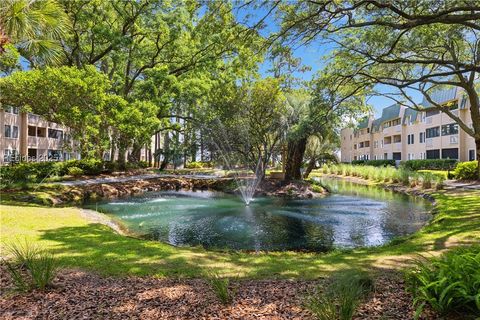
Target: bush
220, 286
429, 164
375, 163
466, 171
198, 165
32, 267
75, 171
450, 283
341, 298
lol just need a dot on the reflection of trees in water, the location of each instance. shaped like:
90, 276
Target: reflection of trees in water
290, 233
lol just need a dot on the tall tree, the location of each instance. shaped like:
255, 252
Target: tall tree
409, 48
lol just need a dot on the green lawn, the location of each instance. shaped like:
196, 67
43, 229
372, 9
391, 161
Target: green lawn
80, 243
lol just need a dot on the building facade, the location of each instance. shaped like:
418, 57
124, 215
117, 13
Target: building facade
29, 137
402, 133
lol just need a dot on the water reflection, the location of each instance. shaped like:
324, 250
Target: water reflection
353, 216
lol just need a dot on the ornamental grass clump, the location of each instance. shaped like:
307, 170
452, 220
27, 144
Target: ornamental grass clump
32, 267
341, 297
221, 287
427, 179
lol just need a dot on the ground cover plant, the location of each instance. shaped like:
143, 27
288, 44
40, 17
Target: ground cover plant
447, 284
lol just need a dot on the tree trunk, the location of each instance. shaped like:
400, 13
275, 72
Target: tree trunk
166, 152
136, 152
477, 144
311, 165
295, 152
121, 157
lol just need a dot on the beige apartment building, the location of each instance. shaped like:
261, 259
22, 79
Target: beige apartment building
405, 134
28, 137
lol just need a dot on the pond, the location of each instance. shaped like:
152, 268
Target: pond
351, 216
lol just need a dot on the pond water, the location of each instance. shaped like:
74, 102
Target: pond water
352, 216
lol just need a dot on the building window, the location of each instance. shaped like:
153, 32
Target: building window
432, 132
397, 156
10, 155
8, 131
54, 155
32, 154
471, 155
433, 154
55, 134
41, 132
422, 137
11, 109
450, 153
432, 112
32, 131
410, 139
449, 129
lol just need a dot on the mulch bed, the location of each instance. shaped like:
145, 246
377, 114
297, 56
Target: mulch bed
82, 295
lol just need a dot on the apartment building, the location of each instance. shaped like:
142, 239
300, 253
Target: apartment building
405, 134
29, 137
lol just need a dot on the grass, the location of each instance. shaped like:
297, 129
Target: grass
76, 242
341, 297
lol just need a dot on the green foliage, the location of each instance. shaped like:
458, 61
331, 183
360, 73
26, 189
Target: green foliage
75, 171
467, 170
35, 28
341, 297
375, 163
448, 283
221, 287
386, 174
32, 266
198, 165
430, 164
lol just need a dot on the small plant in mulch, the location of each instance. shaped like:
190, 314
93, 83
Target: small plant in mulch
342, 296
31, 266
221, 286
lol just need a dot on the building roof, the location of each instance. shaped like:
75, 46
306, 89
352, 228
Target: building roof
376, 124
363, 123
441, 96
409, 114
391, 112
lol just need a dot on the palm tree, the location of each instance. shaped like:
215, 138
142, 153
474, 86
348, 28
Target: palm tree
35, 27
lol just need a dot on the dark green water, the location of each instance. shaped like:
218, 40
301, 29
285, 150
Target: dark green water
353, 216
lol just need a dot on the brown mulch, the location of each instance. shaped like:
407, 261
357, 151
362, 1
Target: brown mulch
81, 295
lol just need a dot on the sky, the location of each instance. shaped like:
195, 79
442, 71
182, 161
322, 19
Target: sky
313, 55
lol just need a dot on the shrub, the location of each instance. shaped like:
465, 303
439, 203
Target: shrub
449, 283
341, 297
466, 170
429, 164
220, 286
75, 171
374, 163
32, 267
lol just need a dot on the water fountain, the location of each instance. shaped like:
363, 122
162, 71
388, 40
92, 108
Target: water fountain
246, 185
